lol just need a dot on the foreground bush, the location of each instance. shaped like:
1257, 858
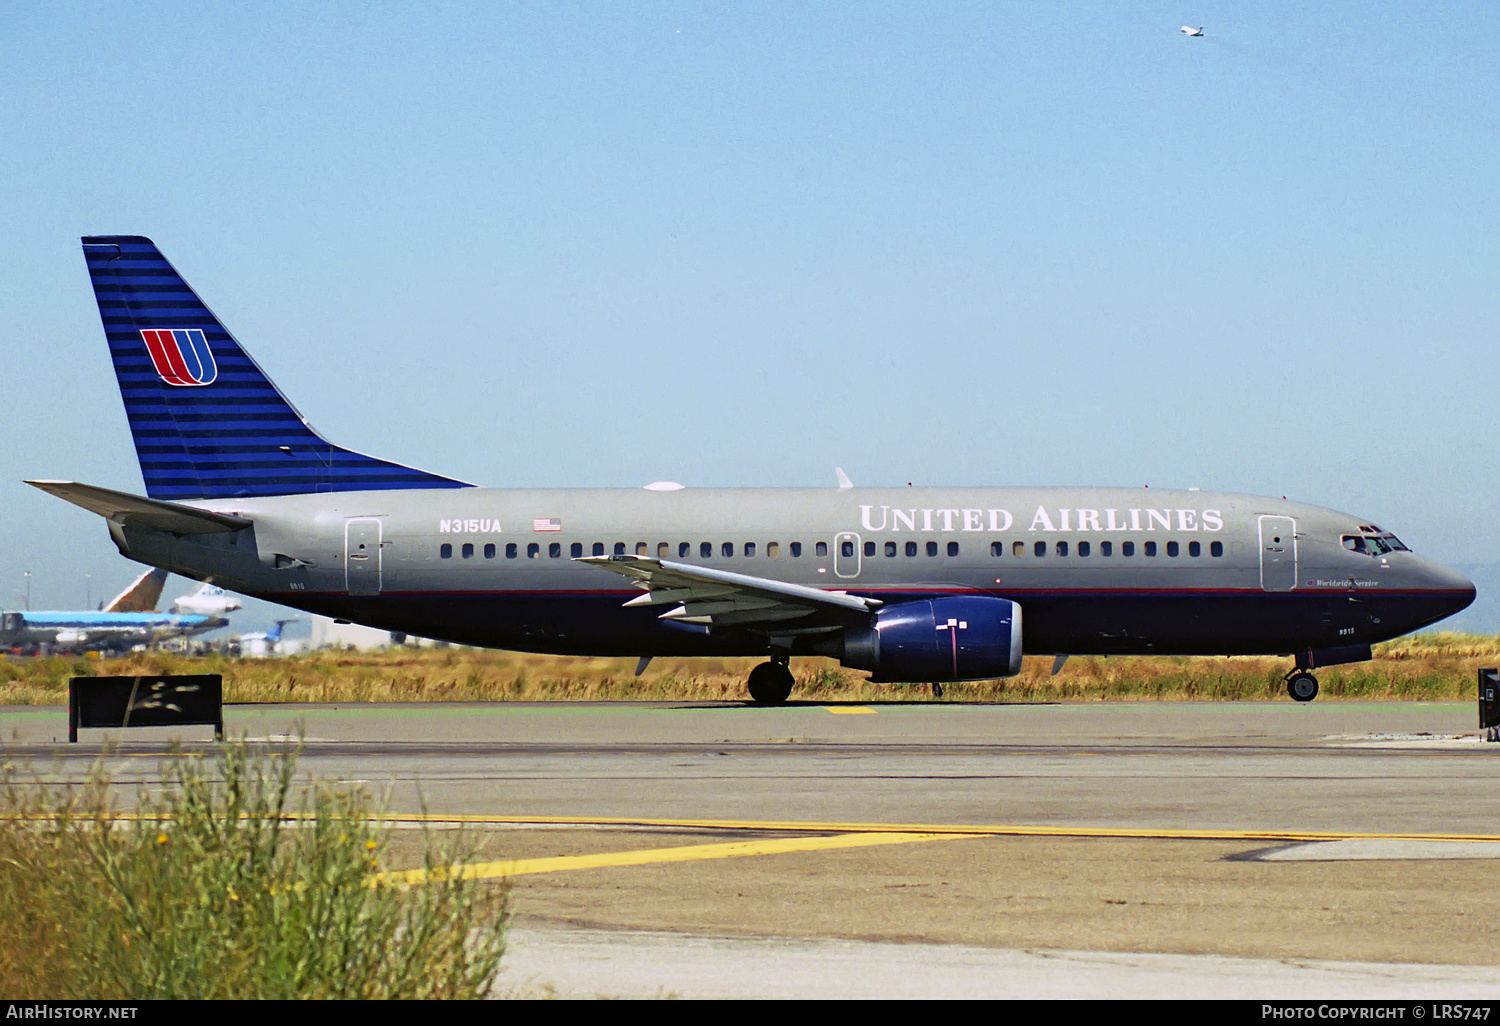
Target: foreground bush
231, 884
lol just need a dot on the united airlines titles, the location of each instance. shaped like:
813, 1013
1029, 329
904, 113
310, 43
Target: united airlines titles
1073, 520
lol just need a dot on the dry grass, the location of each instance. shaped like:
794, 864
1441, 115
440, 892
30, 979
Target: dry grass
1421, 667
211, 890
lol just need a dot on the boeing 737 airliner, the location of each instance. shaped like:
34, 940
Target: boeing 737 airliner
912, 584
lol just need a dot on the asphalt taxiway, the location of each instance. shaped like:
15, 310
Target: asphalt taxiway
1343, 832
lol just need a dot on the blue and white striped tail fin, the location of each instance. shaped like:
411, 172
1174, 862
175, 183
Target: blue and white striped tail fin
207, 422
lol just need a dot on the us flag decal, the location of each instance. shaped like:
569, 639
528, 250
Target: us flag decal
546, 524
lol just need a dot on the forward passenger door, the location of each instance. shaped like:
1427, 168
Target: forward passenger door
1278, 553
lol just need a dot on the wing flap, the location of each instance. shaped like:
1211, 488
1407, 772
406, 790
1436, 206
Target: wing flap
702, 595
137, 511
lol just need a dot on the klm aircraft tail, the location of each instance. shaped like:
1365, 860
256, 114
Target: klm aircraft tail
207, 422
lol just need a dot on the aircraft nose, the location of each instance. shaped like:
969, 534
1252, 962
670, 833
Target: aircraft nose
1458, 590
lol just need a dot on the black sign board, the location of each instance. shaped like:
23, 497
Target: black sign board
162, 700
1489, 703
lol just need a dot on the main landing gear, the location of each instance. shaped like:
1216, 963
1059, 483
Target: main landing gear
770, 683
1302, 686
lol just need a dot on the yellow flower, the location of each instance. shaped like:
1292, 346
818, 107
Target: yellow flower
161, 838
369, 845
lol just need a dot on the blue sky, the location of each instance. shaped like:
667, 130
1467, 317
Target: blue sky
603, 244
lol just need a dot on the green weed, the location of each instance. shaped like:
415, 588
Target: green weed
231, 882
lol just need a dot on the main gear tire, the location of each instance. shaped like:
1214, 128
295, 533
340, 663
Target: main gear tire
770, 684
1303, 687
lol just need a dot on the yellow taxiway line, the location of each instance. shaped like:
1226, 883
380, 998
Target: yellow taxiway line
952, 829
647, 856
874, 829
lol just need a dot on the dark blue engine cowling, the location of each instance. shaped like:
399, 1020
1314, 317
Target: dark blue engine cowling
946, 639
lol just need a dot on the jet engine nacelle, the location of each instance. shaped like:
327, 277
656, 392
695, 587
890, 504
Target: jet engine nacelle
939, 640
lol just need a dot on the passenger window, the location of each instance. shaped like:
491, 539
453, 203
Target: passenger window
641, 548
1216, 548
932, 548
1106, 548
869, 548
684, 549
555, 550
468, 550
1062, 548
1194, 549
510, 550
749, 550
619, 548
1149, 549
953, 548
706, 550
489, 551
598, 549
663, 550
1127, 548
890, 548
997, 548
1040, 548
1083, 548
773, 549
822, 549
727, 550
796, 548
445, 551
846, 549
1018, 548
911, 548
533, 550
576, 550
1172, 549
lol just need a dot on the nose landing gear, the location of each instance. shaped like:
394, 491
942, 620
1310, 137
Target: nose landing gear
770, 683
1302, 686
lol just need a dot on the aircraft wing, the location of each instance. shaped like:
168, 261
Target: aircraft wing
695, 594
126, 509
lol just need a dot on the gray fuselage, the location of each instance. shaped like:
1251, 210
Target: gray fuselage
1096, 570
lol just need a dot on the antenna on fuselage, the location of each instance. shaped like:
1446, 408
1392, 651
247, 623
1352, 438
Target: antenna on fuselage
844, 481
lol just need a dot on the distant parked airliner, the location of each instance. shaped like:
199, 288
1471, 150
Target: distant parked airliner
911, 584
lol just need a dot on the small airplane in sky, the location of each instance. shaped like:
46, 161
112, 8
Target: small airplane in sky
914, 585
1188, 30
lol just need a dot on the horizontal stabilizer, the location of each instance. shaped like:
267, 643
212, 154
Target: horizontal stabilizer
137, 511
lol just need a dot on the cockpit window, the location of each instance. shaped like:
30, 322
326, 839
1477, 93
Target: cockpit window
1374, 545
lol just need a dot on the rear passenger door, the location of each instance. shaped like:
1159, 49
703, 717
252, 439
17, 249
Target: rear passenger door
362, 556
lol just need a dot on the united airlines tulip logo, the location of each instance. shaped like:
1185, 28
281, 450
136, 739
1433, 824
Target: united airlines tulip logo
181, 355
